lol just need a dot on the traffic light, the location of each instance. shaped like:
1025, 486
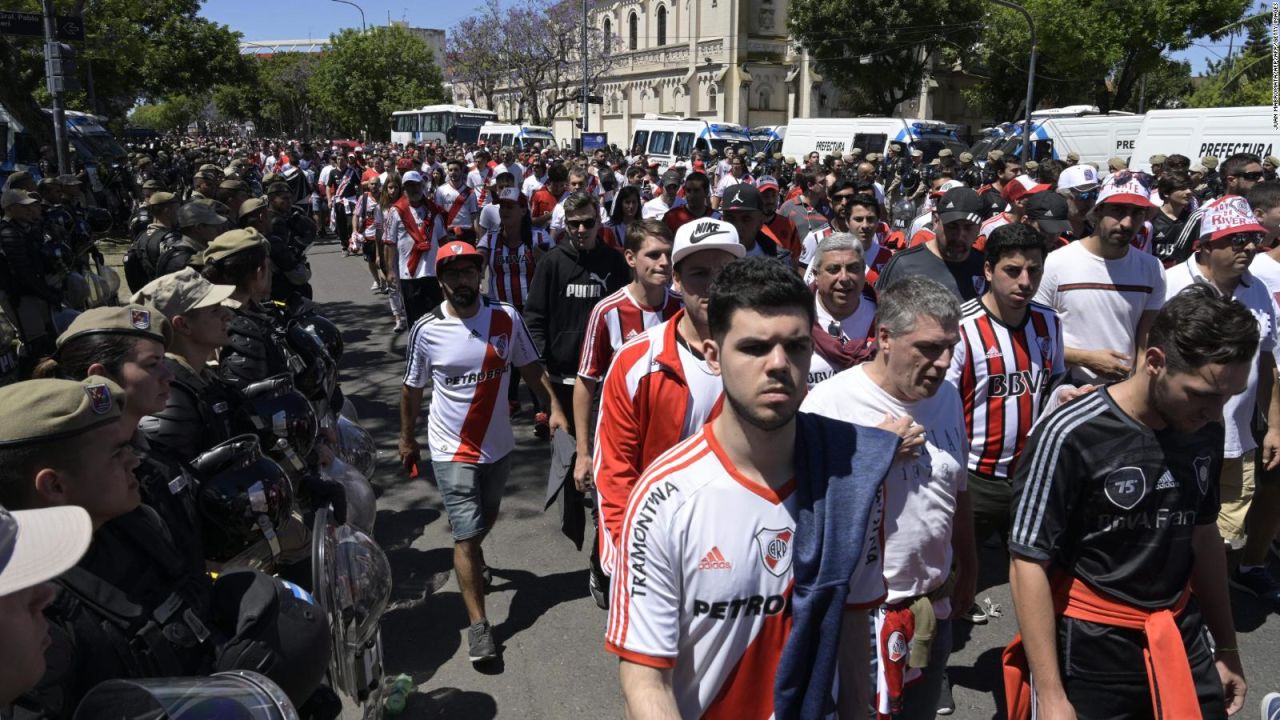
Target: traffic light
62, 69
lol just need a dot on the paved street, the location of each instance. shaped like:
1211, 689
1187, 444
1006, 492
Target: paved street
552, 634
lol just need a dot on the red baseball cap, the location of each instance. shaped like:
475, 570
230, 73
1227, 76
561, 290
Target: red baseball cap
1022, 185
454, 249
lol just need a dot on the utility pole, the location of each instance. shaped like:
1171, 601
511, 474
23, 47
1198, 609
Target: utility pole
56, 80
1031, 75
586, 108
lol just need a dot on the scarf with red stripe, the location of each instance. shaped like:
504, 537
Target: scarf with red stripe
419, 233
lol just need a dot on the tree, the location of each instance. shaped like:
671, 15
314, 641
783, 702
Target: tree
365, 76
546, 66
475, 53
1242, 78
1089, 53
174, 114
881, 52
136, 49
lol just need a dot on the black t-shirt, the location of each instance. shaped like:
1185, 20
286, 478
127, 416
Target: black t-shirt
1113, 502
965, 278
1164, 238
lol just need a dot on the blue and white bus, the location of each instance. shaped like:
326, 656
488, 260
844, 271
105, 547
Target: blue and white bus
441, 124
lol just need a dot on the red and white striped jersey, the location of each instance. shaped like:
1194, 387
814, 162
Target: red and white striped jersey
615, 320
989, 226
467, 361
511, 268
703, 585
1002, 373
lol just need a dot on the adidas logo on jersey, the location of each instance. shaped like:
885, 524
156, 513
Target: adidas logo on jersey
994, 353
714, 560
1166, 481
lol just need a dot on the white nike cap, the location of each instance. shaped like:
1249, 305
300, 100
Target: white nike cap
706, 234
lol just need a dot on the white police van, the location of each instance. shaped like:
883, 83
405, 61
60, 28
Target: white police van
768, 139
519, 137
665, 138
1082, 129
837, 136
1196, 132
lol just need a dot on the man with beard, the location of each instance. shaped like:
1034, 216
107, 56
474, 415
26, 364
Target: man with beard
1106, 292
702, 602
948, 258
1231, 238
1117, 566
466, 347
459, 202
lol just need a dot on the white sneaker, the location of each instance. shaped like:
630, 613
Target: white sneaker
376, 287
401, 326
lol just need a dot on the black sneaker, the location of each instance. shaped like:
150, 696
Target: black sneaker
946, 703
1259, 583
598, 584
480, 638
975, 615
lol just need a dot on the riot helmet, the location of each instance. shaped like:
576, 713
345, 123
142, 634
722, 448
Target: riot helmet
279, 412
356, 446
315, 376
243, 497
328, 333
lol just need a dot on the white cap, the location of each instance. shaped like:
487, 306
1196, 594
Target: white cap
39, 545
411, 176
509, 193
706, 234
1078, 176
1228, 216
1126, 188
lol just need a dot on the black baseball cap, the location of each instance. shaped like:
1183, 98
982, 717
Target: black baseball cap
960, 203
1049, 210
740, 197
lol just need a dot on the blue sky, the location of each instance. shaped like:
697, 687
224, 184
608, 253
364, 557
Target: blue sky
300, 19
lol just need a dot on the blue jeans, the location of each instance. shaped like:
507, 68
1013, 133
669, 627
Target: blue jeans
472, 494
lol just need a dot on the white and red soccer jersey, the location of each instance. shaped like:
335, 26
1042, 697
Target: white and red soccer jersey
481, 181
615, 320
704, 581
431, 222
468, 362
1002, 373
989, 226
511, 268
459, 204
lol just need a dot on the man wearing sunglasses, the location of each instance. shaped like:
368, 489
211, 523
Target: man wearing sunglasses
1231, 237
668, 200
1239, 173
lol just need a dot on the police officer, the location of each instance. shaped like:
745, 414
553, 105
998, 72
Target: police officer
141, 216
131, 608
256, 350
204, 185
142, 260
969, 173
28, 272
1211, 182
199, 224
291, 233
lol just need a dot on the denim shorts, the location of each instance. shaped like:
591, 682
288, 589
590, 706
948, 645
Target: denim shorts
471, 491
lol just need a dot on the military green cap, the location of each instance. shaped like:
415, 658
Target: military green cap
199, 213
21, 176
38, 411
873, 157
234, 185
250, 206
895, 146
68, 181
279, 187
210, 172
1272, 160
233, 241
966, 157
138, 320
1117, 164
181, 292
1073, 156
777, 156
945, 152
1209, 161
995, 155
270, 178
151, 184
144, 160
1032, 166
1158, 159
161, 198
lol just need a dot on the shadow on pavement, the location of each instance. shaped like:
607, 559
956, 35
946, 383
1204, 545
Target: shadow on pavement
420, 637
534, 596
984, 676
450, 703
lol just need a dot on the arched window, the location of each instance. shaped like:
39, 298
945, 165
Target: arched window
765, 99
711, 99
633, 31
662, 25
608, 35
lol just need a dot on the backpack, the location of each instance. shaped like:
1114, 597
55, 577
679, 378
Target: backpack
167, 252
141, 260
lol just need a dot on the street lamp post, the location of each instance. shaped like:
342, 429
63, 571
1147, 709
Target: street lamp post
1031, 75
363, 27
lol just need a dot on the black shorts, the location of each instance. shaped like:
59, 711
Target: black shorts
370, 249
992, 500
1104, 675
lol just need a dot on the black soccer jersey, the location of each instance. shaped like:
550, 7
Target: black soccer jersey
1113, 502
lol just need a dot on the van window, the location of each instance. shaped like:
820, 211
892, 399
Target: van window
1042, 149
486, 138
506, 139
640, 141
870, 142
702, 145
660, 143
684, 144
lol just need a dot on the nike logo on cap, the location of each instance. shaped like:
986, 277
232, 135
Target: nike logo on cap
704, 231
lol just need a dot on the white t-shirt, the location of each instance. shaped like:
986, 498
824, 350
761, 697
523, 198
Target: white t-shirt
657, 207
532, 184
921, 493
729, 180
855, 327
1255, 295
434, 223
1267, 270
704, 388
1100, 301
704, 580
468, 362
481, 180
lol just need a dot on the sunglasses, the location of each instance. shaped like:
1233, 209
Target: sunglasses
843, 198
1240, 241
585, 223
1251, 176
1085, 195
